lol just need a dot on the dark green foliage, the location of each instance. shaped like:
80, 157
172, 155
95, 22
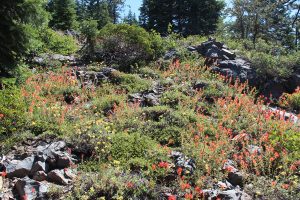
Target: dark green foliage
17, 20
173, 98
271, 20
63, 14
130, 19
187, 17
127, 45
104, 11
99, 11
89, 30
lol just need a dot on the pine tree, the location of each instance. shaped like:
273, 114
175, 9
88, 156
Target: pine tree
63, 14
114, 7
17, 19
187, 17
130, 18
267, 19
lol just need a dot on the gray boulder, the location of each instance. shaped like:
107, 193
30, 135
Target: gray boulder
38, 166
40, 176
19, 168
57, 177
30, 189
235, 178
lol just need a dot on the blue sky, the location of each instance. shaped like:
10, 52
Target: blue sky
134, 5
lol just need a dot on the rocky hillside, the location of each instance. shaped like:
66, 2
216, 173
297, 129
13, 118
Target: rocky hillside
170, 129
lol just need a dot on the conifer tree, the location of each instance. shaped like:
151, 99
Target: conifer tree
187, 17
63, 14
130, 18
17, 19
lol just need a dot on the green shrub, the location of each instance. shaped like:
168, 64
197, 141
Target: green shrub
106, 103
291, 101
130, 82
55, 42
166, 125
89, 30
134, 150
12, 110
147, 72
127, 45
269, 66
172, 98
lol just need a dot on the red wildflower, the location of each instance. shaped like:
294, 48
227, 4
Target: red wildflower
198, 190
229, 168
272, 159
3, 174
163, 164
273, 183
1, 115
129, 185
188, 196
276, 154
285, 186
293, 167
185, 186
153, 167
172, 197
179, 171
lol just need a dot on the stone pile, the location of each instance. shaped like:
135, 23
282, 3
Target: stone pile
89, 78
149, 97
29, 171
224, 61
44, 58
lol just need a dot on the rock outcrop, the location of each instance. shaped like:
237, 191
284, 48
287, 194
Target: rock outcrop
29, 171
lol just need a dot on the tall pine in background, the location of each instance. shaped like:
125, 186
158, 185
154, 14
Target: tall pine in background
271, 20
188, 17
63, 14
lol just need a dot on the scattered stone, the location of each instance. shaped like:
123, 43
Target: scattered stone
199, 85
69, 173
151, 99
29, 175
19, 168
30, 190
230, 194
236, 178
63, 160
38, 166
44, 58
254, 149
40, 176
57, 176
170, 54
187, 164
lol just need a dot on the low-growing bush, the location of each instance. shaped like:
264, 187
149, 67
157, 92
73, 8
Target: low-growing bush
291, 101
173, 98
128, 45
54, 42
134, 150
12, 110
130, 82
106, 103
